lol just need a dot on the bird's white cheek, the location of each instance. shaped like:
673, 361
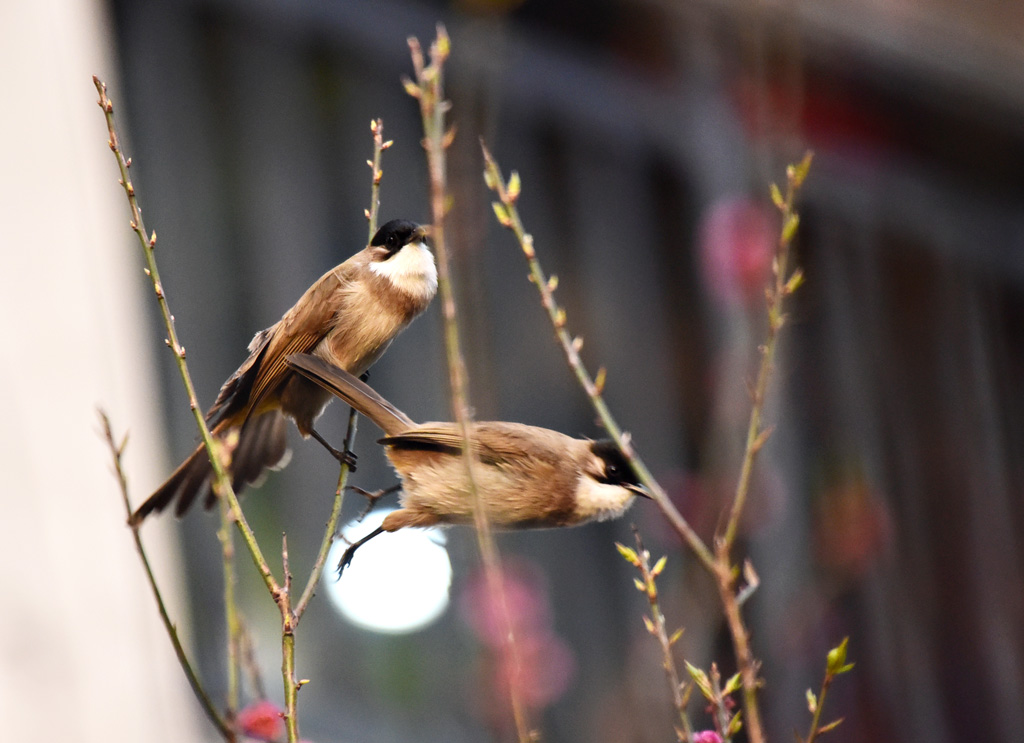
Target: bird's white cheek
600, 501
410, 270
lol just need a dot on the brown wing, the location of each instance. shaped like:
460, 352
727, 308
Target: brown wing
494, 442
299, 331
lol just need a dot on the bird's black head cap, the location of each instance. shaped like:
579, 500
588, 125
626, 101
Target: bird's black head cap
396, 234
617, 469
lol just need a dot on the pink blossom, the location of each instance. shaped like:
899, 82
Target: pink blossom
261, 720
525, 598
737, 241
707, 736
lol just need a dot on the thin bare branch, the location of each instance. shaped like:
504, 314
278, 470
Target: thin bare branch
222, 483
428, 90
117, 451
508, 215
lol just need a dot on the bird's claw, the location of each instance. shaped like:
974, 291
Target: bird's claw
346, 559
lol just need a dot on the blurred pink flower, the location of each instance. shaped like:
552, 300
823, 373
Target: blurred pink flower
737, 241
525, 597
261, 720
545, 667
542, 665
707, 736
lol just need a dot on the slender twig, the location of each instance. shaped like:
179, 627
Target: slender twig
222, 482
727, 723
748, 665
784, 285
428, 89
726, 575
640, 558
719, 562
225, 534
332, 522
117, 451
835, 665
379, 145
508, 216
288, 624
291, 615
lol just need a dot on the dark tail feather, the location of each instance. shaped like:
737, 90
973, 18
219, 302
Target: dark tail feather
358, 394
262, 443
191, 476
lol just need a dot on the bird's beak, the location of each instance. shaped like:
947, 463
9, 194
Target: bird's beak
422, 232
639, 490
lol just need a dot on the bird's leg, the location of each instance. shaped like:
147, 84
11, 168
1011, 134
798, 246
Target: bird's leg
346, 558
345, 457
372, 498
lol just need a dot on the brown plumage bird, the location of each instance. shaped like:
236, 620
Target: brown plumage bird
348, 317
528, 477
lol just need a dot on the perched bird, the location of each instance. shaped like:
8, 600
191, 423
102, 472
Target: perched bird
528, 477
348, 317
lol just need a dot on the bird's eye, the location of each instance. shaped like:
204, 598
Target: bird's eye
393, 242
611, 470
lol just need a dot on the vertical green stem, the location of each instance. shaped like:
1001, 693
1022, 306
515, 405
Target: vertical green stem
226, 536
429, 91
332, 523
225, 730
222, 483
509, 218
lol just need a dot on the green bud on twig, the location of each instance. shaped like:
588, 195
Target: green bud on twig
514, 186
628, 554
836, 663
789, 229
701, 680
501, 213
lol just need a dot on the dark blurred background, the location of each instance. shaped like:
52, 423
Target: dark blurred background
887, 504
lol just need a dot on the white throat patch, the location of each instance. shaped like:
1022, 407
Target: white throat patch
600, 501
410, 270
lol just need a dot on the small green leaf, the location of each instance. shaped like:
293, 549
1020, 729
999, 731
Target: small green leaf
777, 198
600, 379
831, 726
639, 585
411, 88
444, 44
789, 229
732, 685
800, 171
501, 213
701, 680
628, 554
812, 701
735, 724
490, 178
836, 662
659, 566
675, 636
514, 185
650, 625
795, 281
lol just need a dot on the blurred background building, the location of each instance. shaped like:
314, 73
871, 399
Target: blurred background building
887, 505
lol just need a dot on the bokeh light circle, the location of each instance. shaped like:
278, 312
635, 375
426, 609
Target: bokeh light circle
398, 582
